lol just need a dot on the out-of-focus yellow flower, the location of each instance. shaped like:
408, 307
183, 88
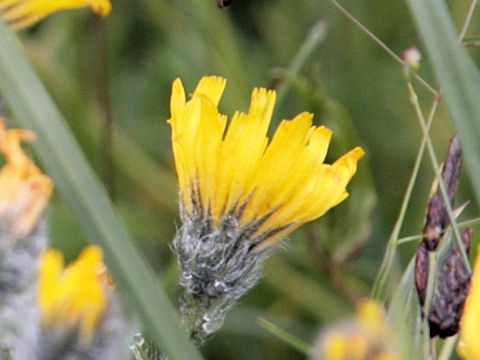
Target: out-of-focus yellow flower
468, 346
23, 13
336, 346
371, 316
368, 337
25, 191
74, 296
271, 186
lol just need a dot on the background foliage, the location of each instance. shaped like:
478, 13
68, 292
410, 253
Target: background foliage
349, 82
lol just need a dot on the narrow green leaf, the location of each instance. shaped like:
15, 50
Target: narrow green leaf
81, 190
301, 346
404, 315
458, 77
317, 35
311, 295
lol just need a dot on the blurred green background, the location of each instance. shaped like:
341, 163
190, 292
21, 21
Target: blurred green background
350, 84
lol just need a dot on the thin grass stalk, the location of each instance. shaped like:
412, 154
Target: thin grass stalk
447, 348
438, 174
468, 19
401, 307
392, 244
103, 97
380, 43
304, 348
313, 40
432, 270
461, 225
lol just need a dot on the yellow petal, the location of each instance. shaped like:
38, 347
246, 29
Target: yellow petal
336, 346
468, 346
22, 13
278, 185
75, 295
25, 190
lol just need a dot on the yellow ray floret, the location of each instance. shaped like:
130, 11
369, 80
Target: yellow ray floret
282, 181
23, 13
24, 190
469, 347
74, 296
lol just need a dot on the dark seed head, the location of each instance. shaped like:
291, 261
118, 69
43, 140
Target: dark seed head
437, 217
452, 287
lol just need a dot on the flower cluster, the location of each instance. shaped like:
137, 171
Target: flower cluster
241, 192
74, 314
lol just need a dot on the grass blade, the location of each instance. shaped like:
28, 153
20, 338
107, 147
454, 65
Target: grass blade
305, 348
458, 77
81, 190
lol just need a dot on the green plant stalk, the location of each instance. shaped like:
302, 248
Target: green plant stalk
102, 85
432, 267
380, 43
307, 293
438, 174
81, 190
315, 37
468, 19
305, 348
399, 311
461, 225
447, 348
392, 244
458, 76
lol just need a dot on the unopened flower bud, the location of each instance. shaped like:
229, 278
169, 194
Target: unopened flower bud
411, 59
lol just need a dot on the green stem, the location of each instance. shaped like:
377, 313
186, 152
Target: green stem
303, 347
314, 38
432, 266
103, 97
392, 244
448, 347
461, 225
468, 19
380, 43
438, 174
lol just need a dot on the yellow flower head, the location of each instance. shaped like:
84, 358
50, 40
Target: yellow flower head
74, 296
368, 337
468, 346
271, 186
23, 13
24, 190
241, 192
